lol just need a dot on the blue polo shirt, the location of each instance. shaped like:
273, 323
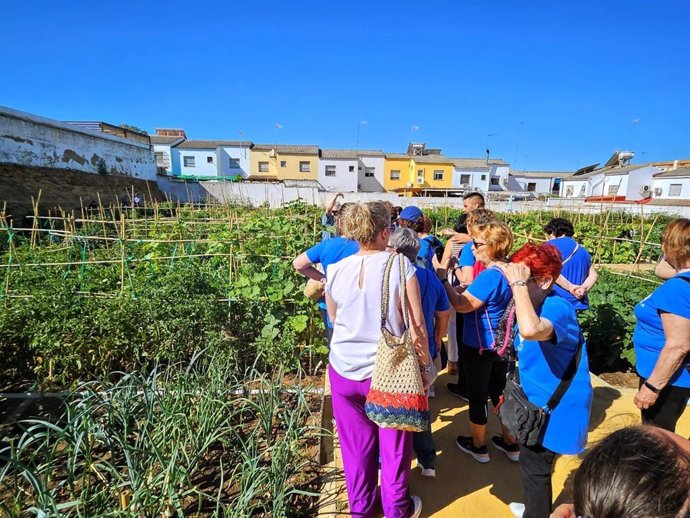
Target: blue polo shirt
492, 288
466, 255
575, 270
427, 248
542, 365
434, 298
673, 296
331, 251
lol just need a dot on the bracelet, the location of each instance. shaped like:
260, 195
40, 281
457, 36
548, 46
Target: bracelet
518, 283
651, 387
425, 369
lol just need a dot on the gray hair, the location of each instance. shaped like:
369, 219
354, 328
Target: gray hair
406, 242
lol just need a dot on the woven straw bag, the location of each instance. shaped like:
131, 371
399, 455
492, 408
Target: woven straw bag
396, 397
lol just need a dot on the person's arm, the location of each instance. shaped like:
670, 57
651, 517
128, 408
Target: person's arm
417, 325
447, 253
564, 511
332, 202
304, 266
663, 269
530, 325
677, 346
587, 284
441, 326
565, 284
466, 274
460, 237
460, 301
331, 307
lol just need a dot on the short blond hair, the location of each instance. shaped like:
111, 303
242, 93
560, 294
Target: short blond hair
497, 236
676, 241
479, 217
364, 221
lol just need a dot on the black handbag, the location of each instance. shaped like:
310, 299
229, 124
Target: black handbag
523, 419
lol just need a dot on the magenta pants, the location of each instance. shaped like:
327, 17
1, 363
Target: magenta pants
362, 442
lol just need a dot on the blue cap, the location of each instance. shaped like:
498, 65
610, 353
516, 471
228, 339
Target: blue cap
411, 213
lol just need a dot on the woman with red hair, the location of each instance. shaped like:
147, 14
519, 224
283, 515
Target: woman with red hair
550, 347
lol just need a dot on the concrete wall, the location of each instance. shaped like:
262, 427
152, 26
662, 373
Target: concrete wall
345, 180
665, 185
241, 157
370, 183
34, 141
168, 150
202, 167
639, 178
542, 185
476, 183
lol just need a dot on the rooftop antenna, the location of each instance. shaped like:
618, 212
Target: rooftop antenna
488, 152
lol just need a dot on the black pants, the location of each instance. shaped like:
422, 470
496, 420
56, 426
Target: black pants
668, 408
327, 330
486, 377
536, 466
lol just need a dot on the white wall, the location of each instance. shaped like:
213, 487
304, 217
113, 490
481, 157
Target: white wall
665, 185
168, 150
619, 181
368, 183
476, 183
573, 188
31, 140
542, 185
638, 179
344, 179
201, 165
240, 154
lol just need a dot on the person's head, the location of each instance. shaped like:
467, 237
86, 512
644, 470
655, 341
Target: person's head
479, 217
559, 227
544, 262
426, 224
461, 224
472, 201
339, 213
368, 224
675, 242
635, 471
491, 241
411, 217
405, 241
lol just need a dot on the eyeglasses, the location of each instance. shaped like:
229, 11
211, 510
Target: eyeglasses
477, 244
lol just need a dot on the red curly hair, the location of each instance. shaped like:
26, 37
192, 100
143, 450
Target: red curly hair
543, 260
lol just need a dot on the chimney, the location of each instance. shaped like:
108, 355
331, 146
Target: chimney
675, 165
487, 156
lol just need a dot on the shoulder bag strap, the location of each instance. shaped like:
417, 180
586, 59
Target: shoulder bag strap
385, 289
403, 290
565, 383
577, 245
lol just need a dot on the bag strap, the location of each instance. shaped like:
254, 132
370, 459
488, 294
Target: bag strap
403, 290
567, 380
577, 246
385, 289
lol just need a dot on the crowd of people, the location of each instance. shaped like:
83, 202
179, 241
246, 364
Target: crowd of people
504, 315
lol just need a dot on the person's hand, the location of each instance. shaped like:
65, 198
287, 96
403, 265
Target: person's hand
428, 378
578, 291
452, 367
645, 398
563, 511
515, 272
339, 195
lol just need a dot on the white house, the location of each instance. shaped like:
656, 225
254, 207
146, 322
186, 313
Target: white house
478, 174
370, 171
338, 170
163, 151
627, 182
538, 182
673, 184
211, 158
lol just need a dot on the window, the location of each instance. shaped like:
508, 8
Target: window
330, 170
234, 163
438, 174
494, 181
369, 172
188, 161
395, 174
483, 178
531, 186
613, 189
263, 167
464, 179
283, 163
420, 173
304, 167
209, 159
674, 189
351, 169
162, 159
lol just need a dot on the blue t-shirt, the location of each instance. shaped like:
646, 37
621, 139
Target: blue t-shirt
492, 288
673, 296
427, 250
434, 298
575, 270
466, 255
327, 220
542, 365
331, 251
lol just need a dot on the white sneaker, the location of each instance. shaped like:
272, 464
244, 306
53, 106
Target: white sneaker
417, 506
428, 472
517, 509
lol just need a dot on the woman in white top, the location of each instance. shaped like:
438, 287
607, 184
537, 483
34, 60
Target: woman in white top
353, 297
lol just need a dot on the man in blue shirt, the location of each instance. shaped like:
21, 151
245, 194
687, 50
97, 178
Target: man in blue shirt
436, 309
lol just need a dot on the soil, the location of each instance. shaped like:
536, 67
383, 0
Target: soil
621, 379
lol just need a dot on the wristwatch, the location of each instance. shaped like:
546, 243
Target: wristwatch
518, 283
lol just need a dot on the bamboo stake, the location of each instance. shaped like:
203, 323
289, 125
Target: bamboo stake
122, 267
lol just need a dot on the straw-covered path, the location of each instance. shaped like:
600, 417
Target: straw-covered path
466, 489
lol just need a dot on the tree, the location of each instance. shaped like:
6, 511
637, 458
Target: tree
133, 128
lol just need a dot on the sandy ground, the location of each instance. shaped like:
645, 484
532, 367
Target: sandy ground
466, 489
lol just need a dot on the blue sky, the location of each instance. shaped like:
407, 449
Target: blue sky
557, 84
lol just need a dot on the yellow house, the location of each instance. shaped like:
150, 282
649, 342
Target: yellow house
284, 162
410, 173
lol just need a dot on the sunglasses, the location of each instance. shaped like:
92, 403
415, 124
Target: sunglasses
478, 244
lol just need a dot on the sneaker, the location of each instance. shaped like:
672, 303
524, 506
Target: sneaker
417, 506
432, 392
517, 509
428, 472
512, 451
457, 391
466, 445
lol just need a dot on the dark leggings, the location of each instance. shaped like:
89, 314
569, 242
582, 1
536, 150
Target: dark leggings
485, 375
668, 408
